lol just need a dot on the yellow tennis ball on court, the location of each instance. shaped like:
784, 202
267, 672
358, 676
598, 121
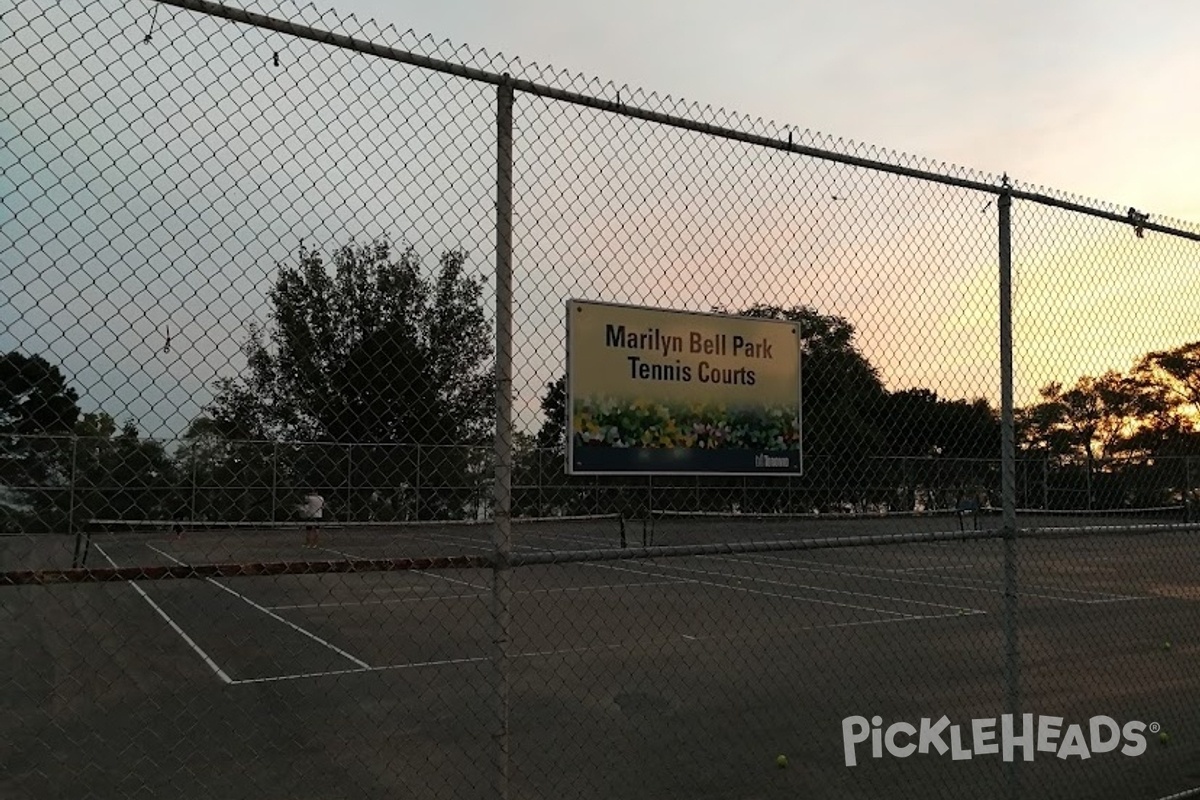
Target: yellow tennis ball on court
781, 761
1164, 738
1167, 645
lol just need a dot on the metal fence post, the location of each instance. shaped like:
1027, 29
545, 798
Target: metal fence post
541, 500
502, 531
72, 530
274, 481
192, 502
1008, 481
1188, 503
1046, 481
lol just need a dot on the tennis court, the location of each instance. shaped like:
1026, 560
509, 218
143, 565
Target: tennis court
648, 677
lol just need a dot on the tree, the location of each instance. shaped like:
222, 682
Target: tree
120, 475
842, 393
1175, 374
37, 412
369, 351
226, 476
552, 434
1095, 418
939, 445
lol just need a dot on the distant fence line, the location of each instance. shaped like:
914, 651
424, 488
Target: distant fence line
260, 480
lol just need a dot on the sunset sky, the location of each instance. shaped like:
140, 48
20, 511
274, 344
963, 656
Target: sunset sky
158, 184
1081, 96
1088, 96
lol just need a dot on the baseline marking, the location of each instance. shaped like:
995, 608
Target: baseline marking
819, 588
187, 639
272, 614
796, 564
435, 597
747, 590
673, 640
422, 572
659, 564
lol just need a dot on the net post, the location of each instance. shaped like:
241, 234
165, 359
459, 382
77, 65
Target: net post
502, 509
1008, 499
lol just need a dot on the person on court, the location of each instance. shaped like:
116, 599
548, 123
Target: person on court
313, 509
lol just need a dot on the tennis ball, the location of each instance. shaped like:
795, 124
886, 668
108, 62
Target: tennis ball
1167, 645
1164, 738
781, 761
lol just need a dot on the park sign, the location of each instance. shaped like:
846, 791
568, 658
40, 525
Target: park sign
654, 391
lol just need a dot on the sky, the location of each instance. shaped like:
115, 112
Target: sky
154, 186
1087, 96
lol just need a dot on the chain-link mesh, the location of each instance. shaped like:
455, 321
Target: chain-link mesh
268, 532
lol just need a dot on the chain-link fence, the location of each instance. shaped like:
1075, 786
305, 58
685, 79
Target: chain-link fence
261, 264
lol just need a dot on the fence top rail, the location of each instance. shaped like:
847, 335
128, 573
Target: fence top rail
1003, 187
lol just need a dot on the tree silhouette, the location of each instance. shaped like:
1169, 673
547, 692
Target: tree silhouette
37, 412
370, 354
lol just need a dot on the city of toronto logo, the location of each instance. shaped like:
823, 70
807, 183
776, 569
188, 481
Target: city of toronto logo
994, 737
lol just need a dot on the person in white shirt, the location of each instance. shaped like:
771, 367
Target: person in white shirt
312, 510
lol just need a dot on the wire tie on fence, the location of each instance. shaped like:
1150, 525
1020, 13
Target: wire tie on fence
149, 33
275, 58
1137, 220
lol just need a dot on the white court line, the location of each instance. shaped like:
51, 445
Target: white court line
426, 573
851, 624
942, 569
1186, 794
791, 563
190, 642
984, 581
588, 648
385, 602
773, 565
474, 544
435, 597
578, 537
748, 590
1108, 597
272, 614
660, 565
362, 671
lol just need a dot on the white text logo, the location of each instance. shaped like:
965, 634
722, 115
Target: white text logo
985, 737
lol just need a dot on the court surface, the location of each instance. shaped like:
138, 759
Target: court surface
650, 678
